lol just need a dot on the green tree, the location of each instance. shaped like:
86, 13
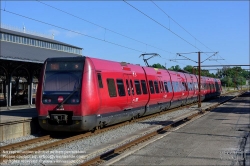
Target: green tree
175, 68
158, 65
233, 76
188, 68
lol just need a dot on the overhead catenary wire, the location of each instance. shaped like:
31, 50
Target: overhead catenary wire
172, 60
179, 25
161, 25
104, 36
106, 29
72, 31
183, 28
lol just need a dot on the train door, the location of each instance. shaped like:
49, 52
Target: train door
130, 89
184, 91
162, 93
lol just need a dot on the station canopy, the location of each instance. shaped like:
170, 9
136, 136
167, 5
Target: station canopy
17, 51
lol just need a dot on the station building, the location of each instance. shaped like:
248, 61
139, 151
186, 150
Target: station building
22, 55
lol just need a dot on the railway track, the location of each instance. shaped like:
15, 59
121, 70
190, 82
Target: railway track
12, 151
100, 159
11, 147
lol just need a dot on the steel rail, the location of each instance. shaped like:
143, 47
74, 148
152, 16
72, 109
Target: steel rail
122, 148
80, 136
77, 137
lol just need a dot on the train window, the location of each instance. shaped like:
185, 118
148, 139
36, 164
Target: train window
179, 86
144, 87
196, 86
128, 87
217, 86
175, 85
111, 87
152, 91
120, 87
161, 86
166, 86
170, 87
132, 87
99, 76
156, 86
191, 86
184, 86
137, 87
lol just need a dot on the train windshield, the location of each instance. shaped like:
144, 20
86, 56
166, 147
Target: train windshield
62, 79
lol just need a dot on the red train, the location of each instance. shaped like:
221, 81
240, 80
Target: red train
83, 93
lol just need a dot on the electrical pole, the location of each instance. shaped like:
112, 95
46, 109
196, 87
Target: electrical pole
199, 84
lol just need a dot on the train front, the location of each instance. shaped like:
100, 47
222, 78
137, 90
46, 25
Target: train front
59, 95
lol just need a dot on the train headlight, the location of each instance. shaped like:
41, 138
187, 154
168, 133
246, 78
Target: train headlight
47, 100
74, 100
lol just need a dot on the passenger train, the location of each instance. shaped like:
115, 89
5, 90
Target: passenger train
84, 93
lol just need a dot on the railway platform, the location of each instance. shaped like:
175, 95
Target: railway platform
17, 121
220, 137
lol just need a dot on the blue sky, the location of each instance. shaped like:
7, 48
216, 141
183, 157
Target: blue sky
221, 26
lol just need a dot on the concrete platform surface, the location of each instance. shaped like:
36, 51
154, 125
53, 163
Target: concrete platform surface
17, 113
18, 121
221, 137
